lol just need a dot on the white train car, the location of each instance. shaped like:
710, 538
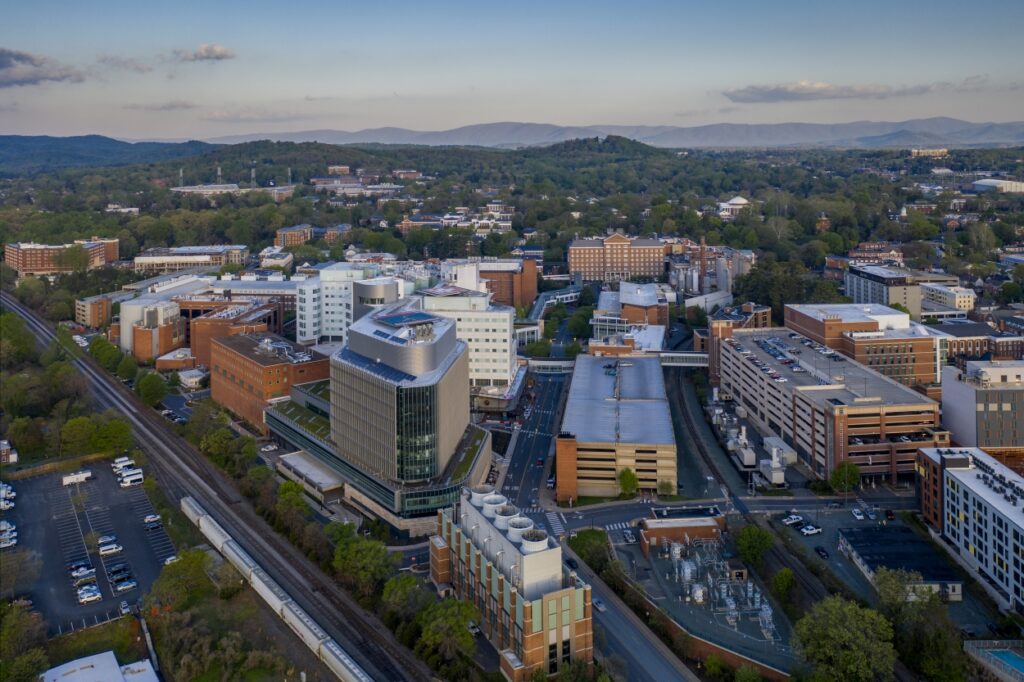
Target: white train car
240, 559
268, 588
303, 625
213, 531
192, 510
308, 630
340, 663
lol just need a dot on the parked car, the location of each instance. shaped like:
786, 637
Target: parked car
857, 514
82, 572
107, 550
810, 530
822, 552
473, 629
792, 520
106, 540
125, 585
154, 525
89, 598
270, 447
170, 560
150, 518
629, 537
872, 515
571, 563
125, 609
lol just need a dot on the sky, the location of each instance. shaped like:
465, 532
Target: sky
183, 69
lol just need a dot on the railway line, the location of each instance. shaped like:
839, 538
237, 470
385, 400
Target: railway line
814, 587
182, 471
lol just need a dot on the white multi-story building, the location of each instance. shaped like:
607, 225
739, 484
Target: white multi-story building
980, 508
958, 298
326, 306
488, 330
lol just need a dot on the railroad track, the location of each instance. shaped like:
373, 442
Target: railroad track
181, 470
814, 587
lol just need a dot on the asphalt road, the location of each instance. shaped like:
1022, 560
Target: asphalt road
524, 476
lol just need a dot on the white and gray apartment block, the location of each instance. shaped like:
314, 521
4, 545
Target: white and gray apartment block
982, 516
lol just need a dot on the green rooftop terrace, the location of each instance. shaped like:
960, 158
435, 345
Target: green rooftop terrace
319, 389
304, 418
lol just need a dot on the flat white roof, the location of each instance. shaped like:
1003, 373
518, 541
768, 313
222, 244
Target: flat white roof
312, 469
854, 312
100, 668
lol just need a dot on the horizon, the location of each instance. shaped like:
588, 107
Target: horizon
150, 73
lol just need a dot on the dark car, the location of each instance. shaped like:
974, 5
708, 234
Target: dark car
540, 461
81, 563
571, 563
153, 525
822, 552
889, 515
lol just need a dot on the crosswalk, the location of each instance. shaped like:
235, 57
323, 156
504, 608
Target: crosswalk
555, 523
531, 510
617, 526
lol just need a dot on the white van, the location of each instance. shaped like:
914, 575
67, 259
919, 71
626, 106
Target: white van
125, 473
119, 469
130, 481
107, 550
120, 461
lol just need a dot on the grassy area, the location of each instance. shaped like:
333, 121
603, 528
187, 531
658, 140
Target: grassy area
304, 418
774, 492
123, 636
468, 455
591, 545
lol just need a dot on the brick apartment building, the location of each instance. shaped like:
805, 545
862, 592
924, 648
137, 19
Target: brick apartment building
249, 370
616, 258
29, 258
293, 236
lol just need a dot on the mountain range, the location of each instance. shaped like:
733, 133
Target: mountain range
860, 134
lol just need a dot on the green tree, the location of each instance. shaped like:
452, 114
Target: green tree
446, 632
18, 570
151, 388
843, 641
113, 436
16, 342
845, 477
628, 482
538, 349
26, 667
181, 582
26, 434
127, 368
579, 326
752, 542
573, 349
362, 564
747, 673
76, 435
716, 669
666, 487
290, 500
925, 637
782, 584
403, 598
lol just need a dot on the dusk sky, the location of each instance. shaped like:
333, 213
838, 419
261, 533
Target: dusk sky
203, 69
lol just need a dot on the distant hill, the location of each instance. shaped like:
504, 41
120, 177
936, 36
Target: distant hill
24, 155
860, 134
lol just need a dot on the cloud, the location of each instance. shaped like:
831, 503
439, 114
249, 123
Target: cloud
126, 63
207, 52
22, 68
250, 116
805, 91
8, 107
173, 105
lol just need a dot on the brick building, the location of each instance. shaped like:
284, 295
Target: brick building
511, 281
29, 258
616, 258
721, 324
293, 236
249, 370
240, 318
827, 408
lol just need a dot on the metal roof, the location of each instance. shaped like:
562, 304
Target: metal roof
618, 401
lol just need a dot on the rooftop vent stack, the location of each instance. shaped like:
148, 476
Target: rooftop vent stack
492, 503
518, 526
504, 514
534, 540
478, 493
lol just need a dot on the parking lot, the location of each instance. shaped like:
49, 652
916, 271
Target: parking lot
63, 524
968, 613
